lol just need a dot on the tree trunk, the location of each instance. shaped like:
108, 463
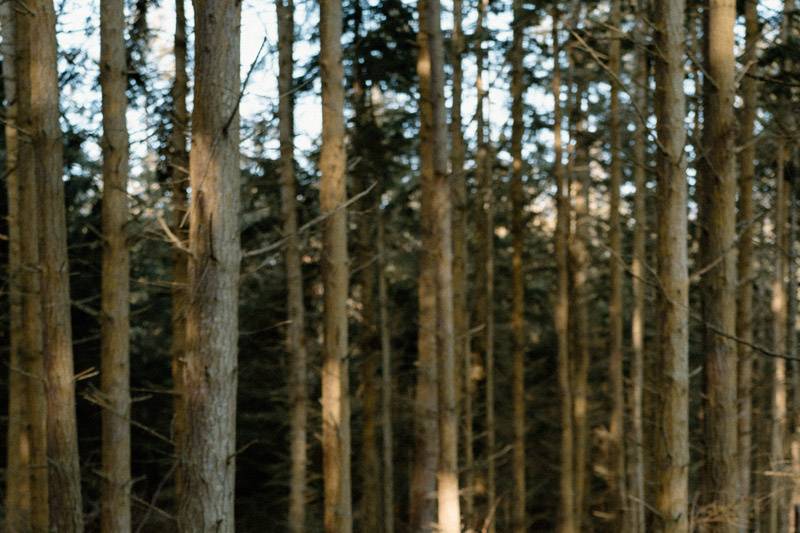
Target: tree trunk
616, 445
115, 514
62, 435
178, 168
672, 433
433, 157
566, 509
636, 452
718, 283
460, 257
744, 297
791, 351
517, 278
778, 485
386, 383
18, 481
484, 260
295, 330
335, 381
209, 378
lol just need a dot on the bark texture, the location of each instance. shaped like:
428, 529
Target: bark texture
672, 433
209, 375
66, 510
333, 194
115, 504
386, 383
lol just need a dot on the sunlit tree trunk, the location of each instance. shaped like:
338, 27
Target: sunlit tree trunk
433, 157
295, 329
616, 445
566, 506
66, 510
791, 351
179, 174
333, 194
744, 301
517, 278
460, 267
209, 378
718, 281
18, 482
636, 454
778, 484
672, 432
115, 515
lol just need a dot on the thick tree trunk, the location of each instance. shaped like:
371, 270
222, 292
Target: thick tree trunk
718, 283
178, 168
209, 378
335, 380
778, 484
295, 330
636, 455
386, 383
744, 297
461, 337
616, 445
567, 522
46, 140
433, 157
31, 354
517, 194
115, 515
672, 433
18, 482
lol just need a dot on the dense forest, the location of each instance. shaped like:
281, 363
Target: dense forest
400, 266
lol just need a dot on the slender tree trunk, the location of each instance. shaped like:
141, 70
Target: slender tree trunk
18, 482
433, 156
517, 279
744, 301
386, 383
636, 455
209, 374
718, 283
179, 164
31, 348
115, 515
616, 451
778, 485
295, 331
566, 508
672, 433
484, 301
62, 436
333, 193
460, 257
791, 350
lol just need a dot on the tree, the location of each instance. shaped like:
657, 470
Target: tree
207, 450
518, 281
178, 165
434, 178
616, 456
335, 388
386, 384
46, 151
115, 513
718, 282
566, 507
672, 433
295, 331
